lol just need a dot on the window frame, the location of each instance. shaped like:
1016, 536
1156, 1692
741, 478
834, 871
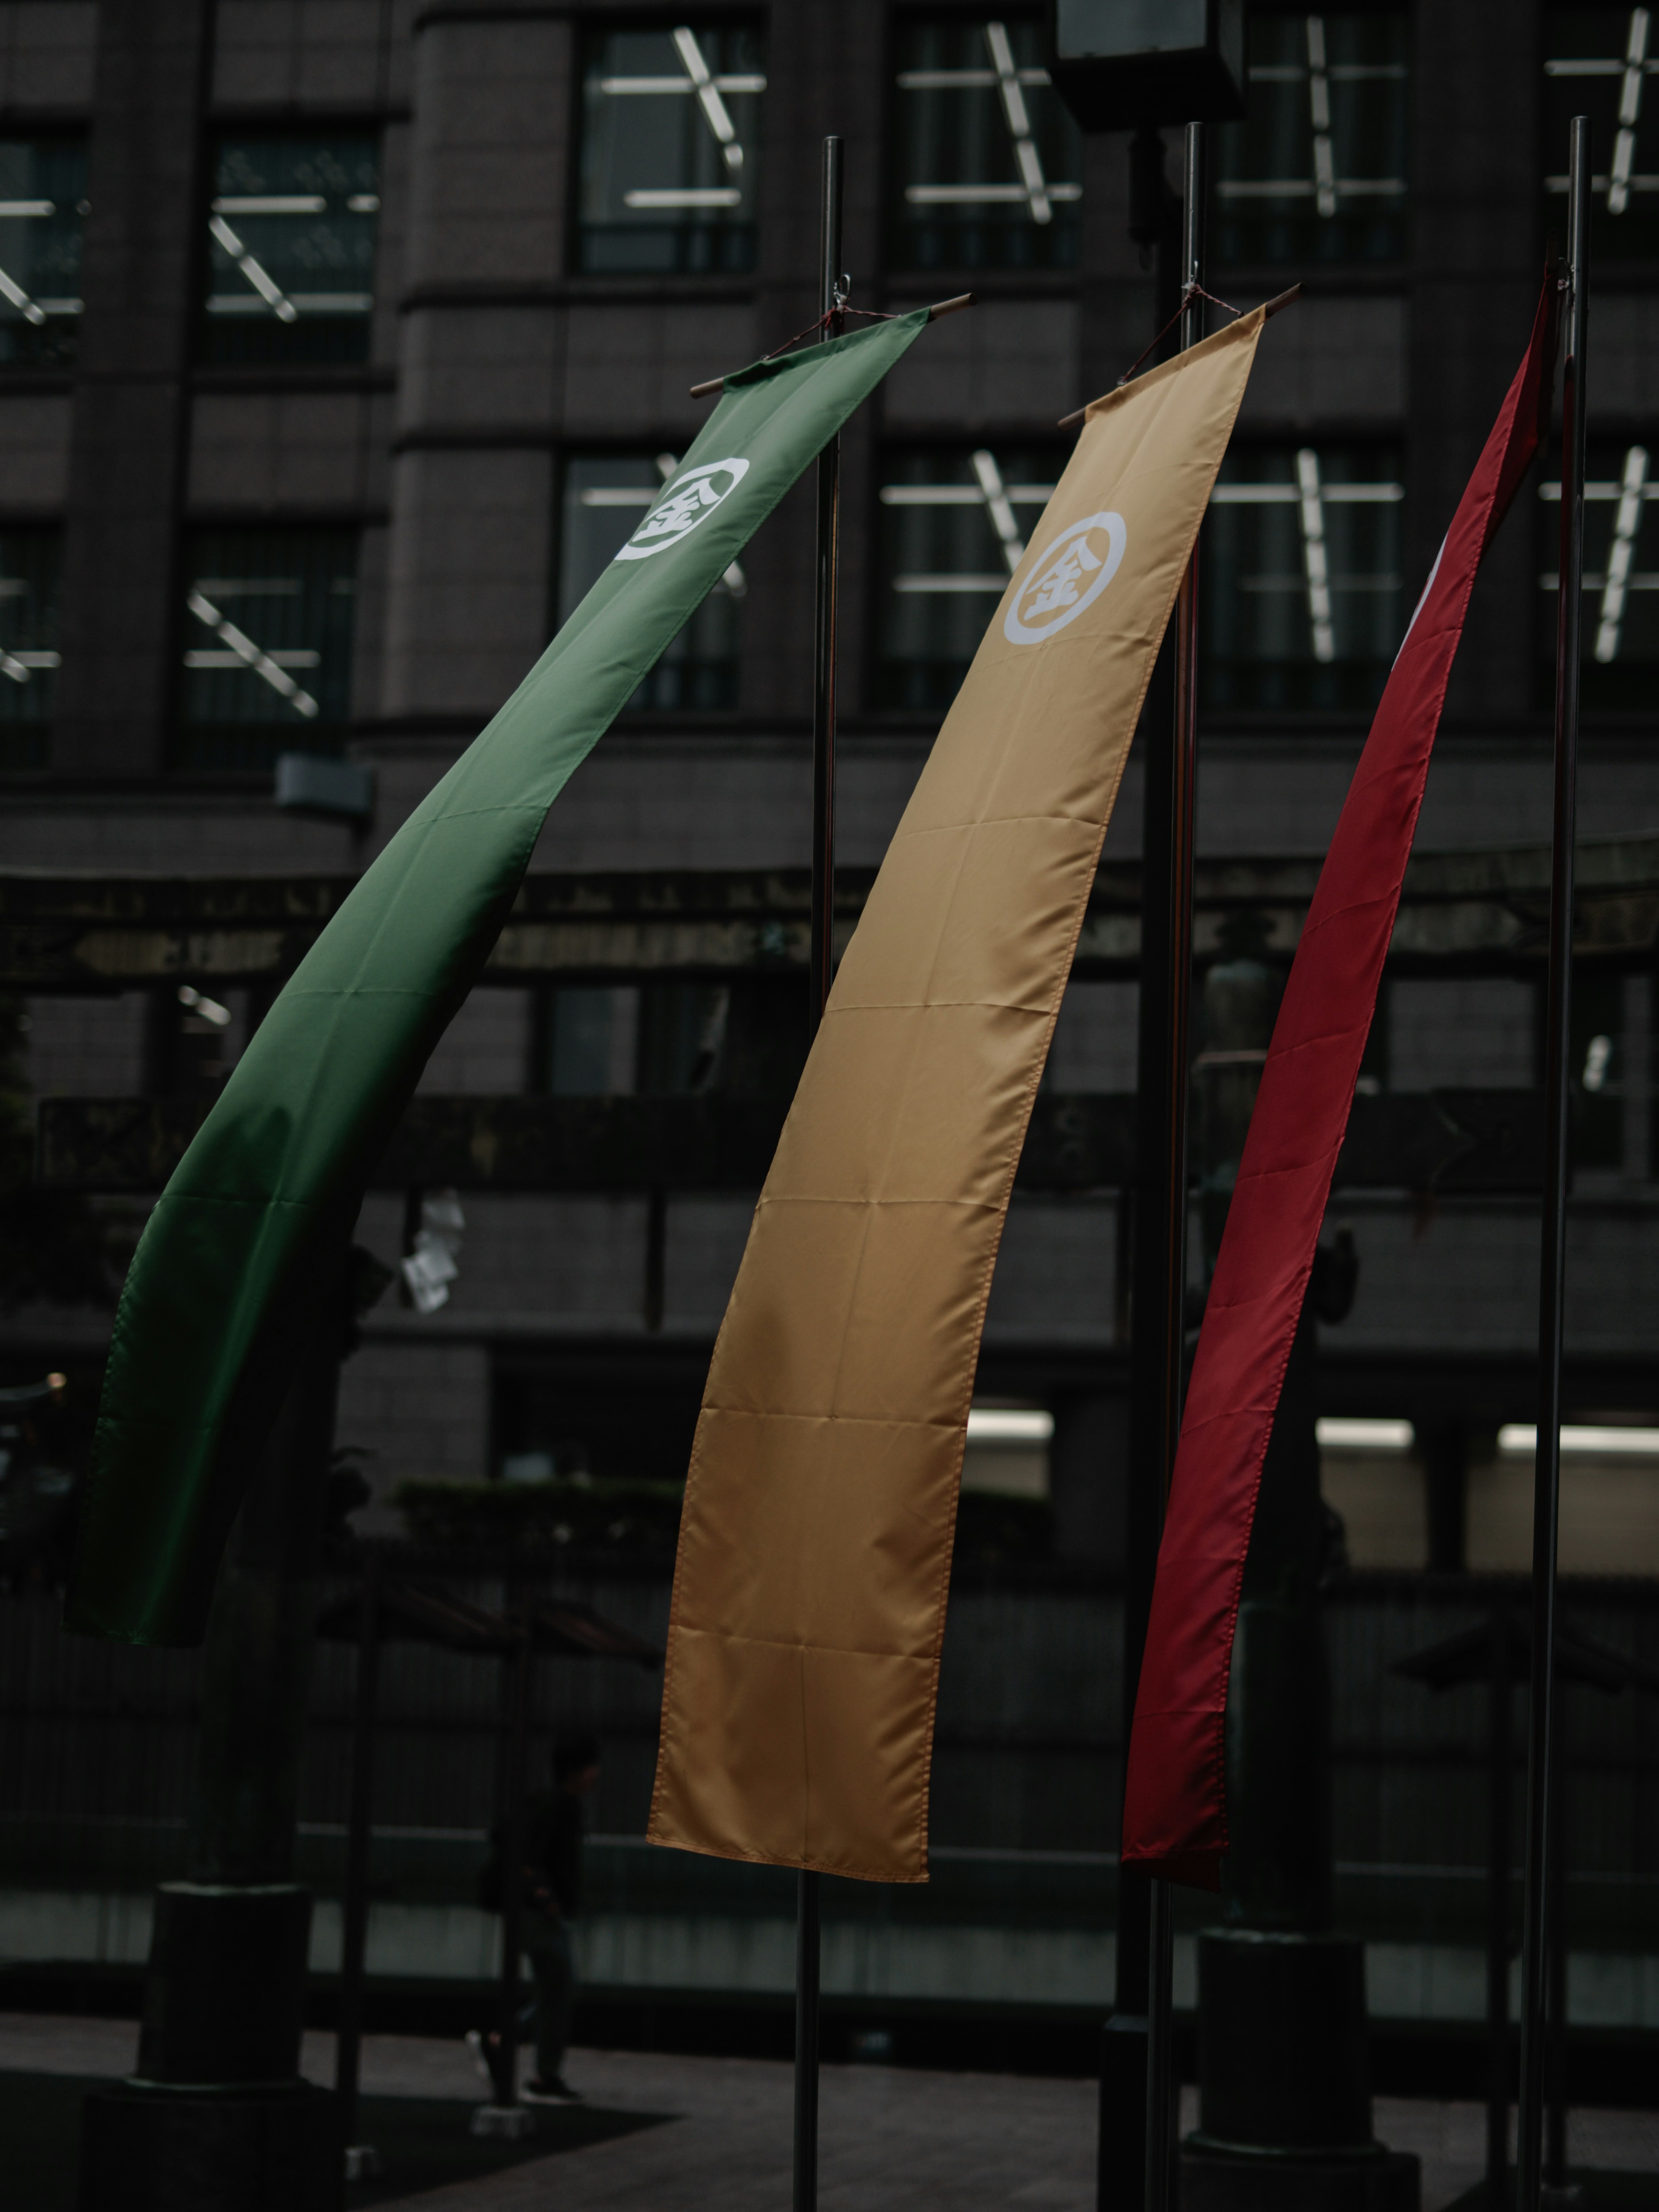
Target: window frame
1216, 711
1061, 272
574, 452
1348, 263
233, 127
23, 129
996, 444
327, 737
754, 20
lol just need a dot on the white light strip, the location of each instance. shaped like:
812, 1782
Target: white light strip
273, 203
264, 284
14, 210
656, 87
616, 496
1626, 523
715, 112
1597, 1443
995, 497
1285, 494
251, 656
1010, 1424
1599, 184
734, 580
1319, 104
1608, 488
283, 657
961, 495
708, 196
1311, 513
1019, 120
926, 587
962, 80
1630, 108
31, 310
1294, 188
983, 195
1339, 1433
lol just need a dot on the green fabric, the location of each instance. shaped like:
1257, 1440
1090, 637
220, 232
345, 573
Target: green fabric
219, 1294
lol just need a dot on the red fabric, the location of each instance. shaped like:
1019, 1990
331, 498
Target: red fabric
1175, 1811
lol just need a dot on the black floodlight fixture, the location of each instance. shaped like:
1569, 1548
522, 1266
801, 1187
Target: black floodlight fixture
1121, 64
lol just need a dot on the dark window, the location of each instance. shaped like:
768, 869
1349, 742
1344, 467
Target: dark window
1620, 632
954, 525
586, 1045
670, 149
1600, 62
28, 643
43, 183
268, 630
1318, 170
987, 164
606, 496
291, 265
1301, 603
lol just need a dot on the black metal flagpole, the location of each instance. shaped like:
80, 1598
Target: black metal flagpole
1547, 1479
362, 2159
822, 958
1178, 937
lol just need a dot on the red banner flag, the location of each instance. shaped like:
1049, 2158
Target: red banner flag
1175, 1811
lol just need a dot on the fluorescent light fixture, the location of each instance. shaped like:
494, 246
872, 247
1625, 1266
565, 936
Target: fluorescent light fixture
926, 587
273, 203
251, 656
983, 195
1010, 1424
1339, 1433
705, 196
1017, 494
1313, 562
1592, 1442
11, 211
624, 87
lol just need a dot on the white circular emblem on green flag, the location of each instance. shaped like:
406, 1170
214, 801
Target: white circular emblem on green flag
689, 499
1070, 572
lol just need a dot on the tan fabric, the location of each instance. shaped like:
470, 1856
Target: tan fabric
815, 1547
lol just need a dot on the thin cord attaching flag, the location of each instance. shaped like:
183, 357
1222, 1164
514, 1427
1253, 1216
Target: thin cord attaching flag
1175, 1813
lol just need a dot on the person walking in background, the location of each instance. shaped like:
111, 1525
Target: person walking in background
552, 1878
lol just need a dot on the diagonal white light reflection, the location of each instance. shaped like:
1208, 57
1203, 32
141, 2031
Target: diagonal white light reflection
1630, 109
1625, 525
1018, 119
994, 493
255, 272
715, 112
251, 655
1315, 565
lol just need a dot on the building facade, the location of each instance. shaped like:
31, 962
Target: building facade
343, 342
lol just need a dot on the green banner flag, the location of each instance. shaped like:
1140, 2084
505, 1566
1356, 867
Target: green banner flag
224, 1281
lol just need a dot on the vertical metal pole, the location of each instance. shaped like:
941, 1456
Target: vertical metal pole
1499, 1753
516, 1667
823, 961
1160, 2084
347, 2046
1546, 1481
1121, 2174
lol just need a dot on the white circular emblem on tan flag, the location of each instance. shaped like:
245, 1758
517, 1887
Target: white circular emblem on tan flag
1069, 575
689, 499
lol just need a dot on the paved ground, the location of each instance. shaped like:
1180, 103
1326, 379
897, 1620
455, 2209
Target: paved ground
893, 2139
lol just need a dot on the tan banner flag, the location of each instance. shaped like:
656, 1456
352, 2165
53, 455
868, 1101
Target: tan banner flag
815, 1544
